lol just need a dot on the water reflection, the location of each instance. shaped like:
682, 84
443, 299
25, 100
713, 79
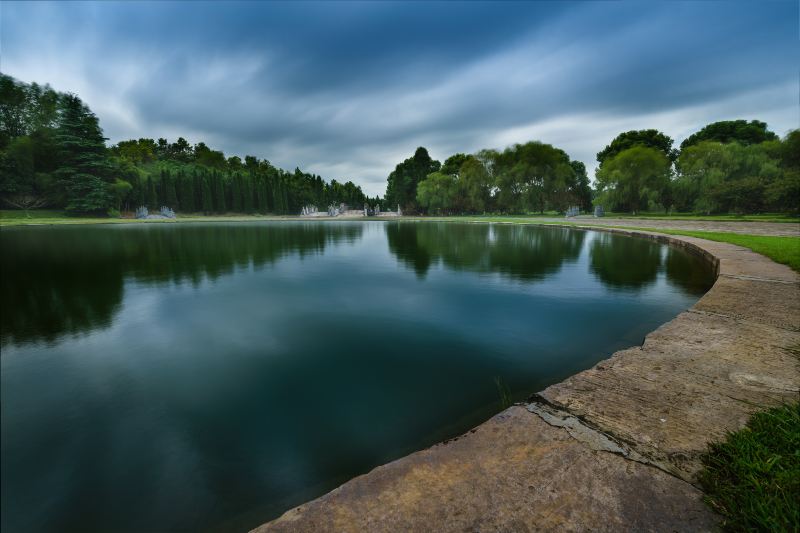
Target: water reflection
687, 271
235, 379
626, 263
68, 280
516, 251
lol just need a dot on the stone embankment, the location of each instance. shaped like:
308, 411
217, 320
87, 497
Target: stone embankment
613, 448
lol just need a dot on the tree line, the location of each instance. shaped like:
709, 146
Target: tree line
522, 178
53, 154
727, 167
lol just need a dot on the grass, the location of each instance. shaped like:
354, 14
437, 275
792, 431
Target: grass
10, 217
753, 478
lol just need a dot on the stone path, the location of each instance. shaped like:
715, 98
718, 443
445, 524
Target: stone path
613, 448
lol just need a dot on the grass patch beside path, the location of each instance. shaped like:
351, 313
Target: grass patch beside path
753, 478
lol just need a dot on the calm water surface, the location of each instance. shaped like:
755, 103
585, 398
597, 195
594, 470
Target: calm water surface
210, 376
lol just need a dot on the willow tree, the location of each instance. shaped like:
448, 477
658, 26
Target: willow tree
635, 179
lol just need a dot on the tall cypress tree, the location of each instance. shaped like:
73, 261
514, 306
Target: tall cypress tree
247, 189
236, 194
170, 196
186, 196
207, 202
219, 193
84, 167
198, 191
152, 194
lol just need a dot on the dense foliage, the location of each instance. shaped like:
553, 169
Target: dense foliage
736, 167
401, 186
522, 178
629, 139
53, 154
726, 131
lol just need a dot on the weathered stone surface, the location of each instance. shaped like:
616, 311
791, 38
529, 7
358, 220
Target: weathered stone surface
751, 300
513, 473
693, 380
613, 448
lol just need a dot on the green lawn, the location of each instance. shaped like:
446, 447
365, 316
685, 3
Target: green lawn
753, 478
38, 217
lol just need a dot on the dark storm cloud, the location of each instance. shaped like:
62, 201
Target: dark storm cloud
349, 89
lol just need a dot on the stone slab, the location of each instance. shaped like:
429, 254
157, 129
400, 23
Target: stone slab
513, 473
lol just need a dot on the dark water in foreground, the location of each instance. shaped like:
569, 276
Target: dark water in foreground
208, 377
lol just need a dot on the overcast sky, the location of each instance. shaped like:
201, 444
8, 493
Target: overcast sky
347, 90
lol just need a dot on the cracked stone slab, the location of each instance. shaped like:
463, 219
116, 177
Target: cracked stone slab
515, 473
693, 380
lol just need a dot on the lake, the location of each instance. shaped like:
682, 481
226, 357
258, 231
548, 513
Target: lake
208, 377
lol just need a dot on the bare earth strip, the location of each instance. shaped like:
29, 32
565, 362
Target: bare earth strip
613, 448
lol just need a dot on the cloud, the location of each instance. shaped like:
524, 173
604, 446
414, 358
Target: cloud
347, 90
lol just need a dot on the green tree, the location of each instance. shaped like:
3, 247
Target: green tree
205, 194
84, 165
721, 178
218, 191
783, 194
120, 190
19, 186
170, 197
582, 190
187, 193
152, 194
740, 131
532, 177
438, 193
635, 179
13, 101
476, 184
629, 139
236, 193
401, 187
452, 164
